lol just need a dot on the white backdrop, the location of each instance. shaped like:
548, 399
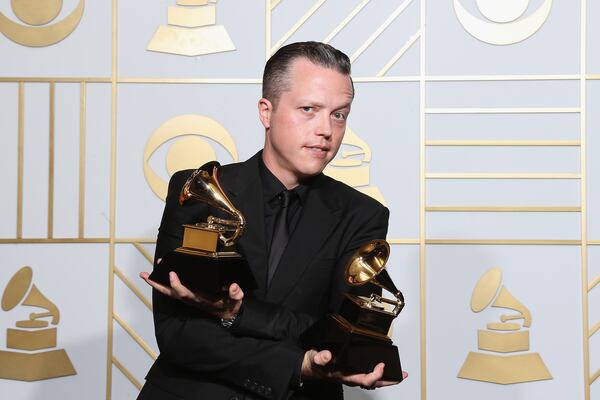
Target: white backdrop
486, 154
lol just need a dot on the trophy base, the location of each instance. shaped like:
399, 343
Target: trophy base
353, 348
205, 271
356, 312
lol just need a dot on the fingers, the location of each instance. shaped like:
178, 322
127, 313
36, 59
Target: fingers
235, 292
180, 291
322, 357
162, 289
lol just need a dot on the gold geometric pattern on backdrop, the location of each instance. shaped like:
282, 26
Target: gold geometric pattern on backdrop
503, 337
337, 29
37, 14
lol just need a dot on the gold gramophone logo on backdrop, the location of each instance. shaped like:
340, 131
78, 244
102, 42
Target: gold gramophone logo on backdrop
502, 337
191, 30
503, 25
38, 14
190, 150
33, 355
353, 167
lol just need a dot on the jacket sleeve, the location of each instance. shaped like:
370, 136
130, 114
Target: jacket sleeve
198, 343
273, 321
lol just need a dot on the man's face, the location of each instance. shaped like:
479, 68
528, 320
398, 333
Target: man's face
305, 130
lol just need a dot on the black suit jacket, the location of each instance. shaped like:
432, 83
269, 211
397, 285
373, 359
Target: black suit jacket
260, 356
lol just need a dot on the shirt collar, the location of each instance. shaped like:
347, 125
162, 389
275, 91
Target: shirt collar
272, 186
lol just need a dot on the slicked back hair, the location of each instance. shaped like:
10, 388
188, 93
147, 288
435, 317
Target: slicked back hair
276, 76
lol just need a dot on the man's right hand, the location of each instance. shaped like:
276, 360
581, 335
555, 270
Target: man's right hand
316, 365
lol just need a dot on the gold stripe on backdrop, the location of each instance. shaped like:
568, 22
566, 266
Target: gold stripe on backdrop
593, 283
497, 175
501, 209
76, 240
531, 143
113, 173
594, 377
422, 203
380, 30
82, 139
505, 242
274, 3
594, 329
127, 374
345, 21
51, 141
297, 25
399, 54
134, 335
583, 185
20, 149
144, 252
55, 79
502, 110
133, 288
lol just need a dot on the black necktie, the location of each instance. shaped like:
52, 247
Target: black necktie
280, 234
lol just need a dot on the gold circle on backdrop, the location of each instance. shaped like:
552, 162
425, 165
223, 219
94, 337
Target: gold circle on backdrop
190, 151
36, 12
40, 36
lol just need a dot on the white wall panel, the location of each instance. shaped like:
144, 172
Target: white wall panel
9, 123
503, 126
504, 225
66, 161
97, 156
543, 278
35, 160
503, 192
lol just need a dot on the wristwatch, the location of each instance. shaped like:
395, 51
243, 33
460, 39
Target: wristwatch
227, 323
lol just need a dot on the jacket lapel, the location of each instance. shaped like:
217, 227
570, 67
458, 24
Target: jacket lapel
245, 191
320, 215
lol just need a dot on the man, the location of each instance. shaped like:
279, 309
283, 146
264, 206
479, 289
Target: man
245, 345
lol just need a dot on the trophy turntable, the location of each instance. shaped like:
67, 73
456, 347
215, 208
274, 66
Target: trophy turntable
358, 336
207, 259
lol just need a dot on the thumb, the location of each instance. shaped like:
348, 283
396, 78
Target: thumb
235, 292
322, 358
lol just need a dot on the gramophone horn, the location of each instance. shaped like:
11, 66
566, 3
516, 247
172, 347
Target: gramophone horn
368, 265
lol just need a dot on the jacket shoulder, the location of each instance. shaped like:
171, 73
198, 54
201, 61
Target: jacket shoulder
349, 197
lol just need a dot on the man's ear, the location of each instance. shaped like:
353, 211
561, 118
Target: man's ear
265, 108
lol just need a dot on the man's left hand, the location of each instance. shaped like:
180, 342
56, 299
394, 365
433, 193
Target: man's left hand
226, 306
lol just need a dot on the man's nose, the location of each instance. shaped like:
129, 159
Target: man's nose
324, 127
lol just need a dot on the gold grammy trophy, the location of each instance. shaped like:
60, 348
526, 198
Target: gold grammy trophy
207, 259
502, 337
358, 335
31, 362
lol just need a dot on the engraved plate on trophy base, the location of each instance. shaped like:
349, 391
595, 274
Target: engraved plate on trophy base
201, 239
205, 272
354, 349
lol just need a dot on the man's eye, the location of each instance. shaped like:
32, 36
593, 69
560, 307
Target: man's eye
307, 109
339, 115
